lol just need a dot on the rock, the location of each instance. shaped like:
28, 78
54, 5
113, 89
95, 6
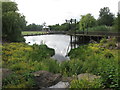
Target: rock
5, 72
118, 45
67, 79
92, 41
61, 85
87, 76
46, 79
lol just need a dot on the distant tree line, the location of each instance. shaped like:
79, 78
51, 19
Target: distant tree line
106, 21
56, 27
64, 27
33, 27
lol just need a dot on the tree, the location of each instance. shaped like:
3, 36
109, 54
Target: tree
9, 6
117, 23
87, 21
33, 27
64, 26
12, 21
105, 17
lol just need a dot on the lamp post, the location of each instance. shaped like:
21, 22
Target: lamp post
68, 22
71, 21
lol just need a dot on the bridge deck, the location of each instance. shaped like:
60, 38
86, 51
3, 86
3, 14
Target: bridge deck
116, 34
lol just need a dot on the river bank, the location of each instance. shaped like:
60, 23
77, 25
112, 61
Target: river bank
100, 59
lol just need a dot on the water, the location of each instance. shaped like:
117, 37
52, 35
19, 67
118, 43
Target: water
60, 43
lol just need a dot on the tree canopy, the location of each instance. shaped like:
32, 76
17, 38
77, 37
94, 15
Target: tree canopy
105, 17
9, 6
12, 21
33, 27
87, 21
117, 23
64, 27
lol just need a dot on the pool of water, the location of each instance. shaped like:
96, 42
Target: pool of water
60, 43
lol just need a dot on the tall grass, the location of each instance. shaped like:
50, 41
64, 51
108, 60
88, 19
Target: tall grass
32, 32
23, 59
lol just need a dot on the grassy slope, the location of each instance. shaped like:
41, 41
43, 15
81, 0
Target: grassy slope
32, 32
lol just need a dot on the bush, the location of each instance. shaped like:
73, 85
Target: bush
41, 51
72, 67
99, 28
18, 81
104, 63
84, 83
104, 40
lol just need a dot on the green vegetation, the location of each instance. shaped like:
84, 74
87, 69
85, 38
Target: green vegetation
13, 22
106, 22
84, 83
57, 27
102, 28
96, 59
116, 25
23, 59
105, 17
87, 21
33, 27
64, 27
32, 32
100, 59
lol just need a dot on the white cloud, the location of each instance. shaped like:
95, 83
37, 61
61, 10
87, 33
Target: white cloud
56, 11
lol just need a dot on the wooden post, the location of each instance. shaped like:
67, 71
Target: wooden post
98, 40
83, 39
75, 41
71, 41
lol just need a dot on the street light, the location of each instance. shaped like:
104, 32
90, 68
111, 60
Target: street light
71, 21
68, 21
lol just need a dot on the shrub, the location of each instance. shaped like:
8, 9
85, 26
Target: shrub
18, 81
104, 63
99, 28
84, 83
72, 67
104, 40
41, 51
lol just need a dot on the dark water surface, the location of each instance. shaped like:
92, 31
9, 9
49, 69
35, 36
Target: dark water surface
60, 43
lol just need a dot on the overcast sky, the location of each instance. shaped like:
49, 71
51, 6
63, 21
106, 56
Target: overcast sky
56, 11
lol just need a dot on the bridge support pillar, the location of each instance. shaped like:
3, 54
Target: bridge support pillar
75, 41
71, 41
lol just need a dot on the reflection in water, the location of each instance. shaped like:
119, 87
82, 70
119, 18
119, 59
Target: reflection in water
60, 43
